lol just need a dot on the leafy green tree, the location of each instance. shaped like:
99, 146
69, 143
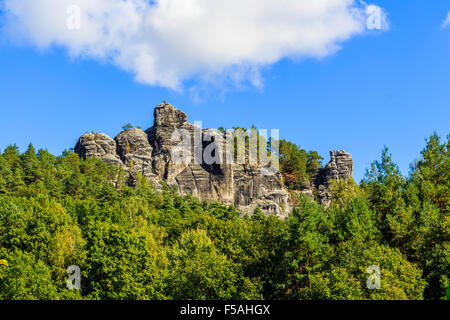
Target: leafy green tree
201, 272
347, 275
127, 126
293, 164
342, 192
431, 173
308, 246
400, 279
123, 264
26, 278
436, 271
384, 186
6, 176
354, 221
313, 163
12, 155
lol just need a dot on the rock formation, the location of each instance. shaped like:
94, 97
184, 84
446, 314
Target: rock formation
151, 153
98, 145
135, 152
339, 168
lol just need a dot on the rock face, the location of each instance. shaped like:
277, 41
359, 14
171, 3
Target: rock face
153, 154
98, 145
339, 168
150, 153
135, 152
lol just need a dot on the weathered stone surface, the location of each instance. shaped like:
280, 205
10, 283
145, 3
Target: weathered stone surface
135, 151
98, 145
244, 186
167, 119
231, 184
252, 190
339, 168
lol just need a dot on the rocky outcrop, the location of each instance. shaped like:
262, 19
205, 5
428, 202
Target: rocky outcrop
98, 145
135, 152
339, 168
152, 153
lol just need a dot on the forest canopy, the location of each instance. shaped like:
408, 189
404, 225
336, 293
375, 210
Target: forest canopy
137, 243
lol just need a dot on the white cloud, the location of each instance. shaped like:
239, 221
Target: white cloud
446, 22
166, 42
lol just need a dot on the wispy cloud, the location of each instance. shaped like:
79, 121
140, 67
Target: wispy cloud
446, 22
166, 42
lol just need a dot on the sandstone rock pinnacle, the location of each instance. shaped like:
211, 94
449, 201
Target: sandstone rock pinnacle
244, 186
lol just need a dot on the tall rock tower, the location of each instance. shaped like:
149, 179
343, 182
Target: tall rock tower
339, 168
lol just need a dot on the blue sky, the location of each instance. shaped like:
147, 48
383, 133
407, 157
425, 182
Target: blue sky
381, 88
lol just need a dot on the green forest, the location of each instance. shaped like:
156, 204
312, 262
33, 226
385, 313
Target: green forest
137, 243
